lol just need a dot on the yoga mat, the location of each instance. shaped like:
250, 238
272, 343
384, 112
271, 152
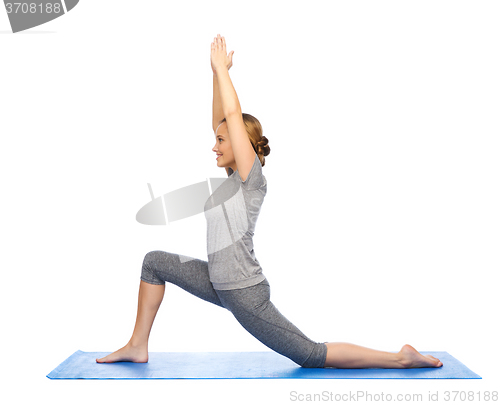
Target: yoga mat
235, 365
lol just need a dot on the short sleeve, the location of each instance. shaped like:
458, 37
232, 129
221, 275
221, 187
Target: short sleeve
255, 178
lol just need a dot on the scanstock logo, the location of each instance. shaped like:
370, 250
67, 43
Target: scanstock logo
178, 204
191, 200
29, 14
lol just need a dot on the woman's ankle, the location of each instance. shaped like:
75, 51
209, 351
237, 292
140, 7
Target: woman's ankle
137, 344
401, 360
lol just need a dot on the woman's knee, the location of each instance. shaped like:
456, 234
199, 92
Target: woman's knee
153, 262
152, 259
317, 358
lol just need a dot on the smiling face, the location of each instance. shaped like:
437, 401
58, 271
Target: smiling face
223, 148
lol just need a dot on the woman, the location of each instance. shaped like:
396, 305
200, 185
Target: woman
232, 277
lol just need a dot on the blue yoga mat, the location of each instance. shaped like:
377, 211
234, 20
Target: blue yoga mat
202, 365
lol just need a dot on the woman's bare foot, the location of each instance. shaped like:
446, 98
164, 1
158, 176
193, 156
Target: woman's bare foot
411, 358
135, 354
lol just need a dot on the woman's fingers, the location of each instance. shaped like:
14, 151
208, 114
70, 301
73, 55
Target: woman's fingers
219, 54
221, 42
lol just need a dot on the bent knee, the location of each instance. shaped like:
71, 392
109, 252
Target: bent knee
155, 263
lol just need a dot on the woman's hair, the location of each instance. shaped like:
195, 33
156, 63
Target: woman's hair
258, 141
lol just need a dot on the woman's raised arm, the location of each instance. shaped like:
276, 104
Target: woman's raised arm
217, 112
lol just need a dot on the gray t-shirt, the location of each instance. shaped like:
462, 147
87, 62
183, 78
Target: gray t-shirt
231, 212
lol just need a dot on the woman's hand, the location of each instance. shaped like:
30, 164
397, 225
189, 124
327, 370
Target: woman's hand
218, 56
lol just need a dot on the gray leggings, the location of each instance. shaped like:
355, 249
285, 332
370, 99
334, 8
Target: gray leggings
250, 306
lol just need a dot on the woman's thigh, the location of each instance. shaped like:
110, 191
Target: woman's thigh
256, 313
192, 276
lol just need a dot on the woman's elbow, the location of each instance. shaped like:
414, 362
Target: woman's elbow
234, 111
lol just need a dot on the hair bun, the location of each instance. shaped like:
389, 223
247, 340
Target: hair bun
263, 147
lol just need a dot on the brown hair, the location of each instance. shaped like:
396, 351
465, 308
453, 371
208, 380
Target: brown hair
258, 141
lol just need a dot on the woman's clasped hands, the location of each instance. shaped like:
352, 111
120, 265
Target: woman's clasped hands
218, 56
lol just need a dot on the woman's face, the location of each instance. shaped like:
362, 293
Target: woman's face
223, 148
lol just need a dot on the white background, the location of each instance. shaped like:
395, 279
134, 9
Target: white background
380, 226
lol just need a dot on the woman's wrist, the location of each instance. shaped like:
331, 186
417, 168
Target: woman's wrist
220, 69
215, 72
